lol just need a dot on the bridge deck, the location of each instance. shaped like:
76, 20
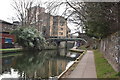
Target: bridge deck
67, 39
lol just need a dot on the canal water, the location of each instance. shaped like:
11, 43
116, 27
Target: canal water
43, 65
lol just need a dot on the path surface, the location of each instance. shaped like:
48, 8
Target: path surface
85, 68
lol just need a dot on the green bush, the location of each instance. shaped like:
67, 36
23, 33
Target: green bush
29, 38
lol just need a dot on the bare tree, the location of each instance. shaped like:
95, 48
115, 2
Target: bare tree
81, 13
28, 12
73, 11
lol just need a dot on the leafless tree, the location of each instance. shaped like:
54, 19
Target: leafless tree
81, 12
73, 11
28, 12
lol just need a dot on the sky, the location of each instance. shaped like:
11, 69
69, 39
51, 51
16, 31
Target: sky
8, 13
6, 10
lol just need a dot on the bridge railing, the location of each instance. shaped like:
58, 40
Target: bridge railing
67, 39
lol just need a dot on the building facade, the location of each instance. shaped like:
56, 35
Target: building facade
58, 27
49, 25
6, 40
6, 26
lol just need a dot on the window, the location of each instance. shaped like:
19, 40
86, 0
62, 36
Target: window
61, 33
8, 40
61, 28
62, 22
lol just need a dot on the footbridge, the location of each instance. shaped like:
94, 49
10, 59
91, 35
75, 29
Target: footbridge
58, 40
67, 39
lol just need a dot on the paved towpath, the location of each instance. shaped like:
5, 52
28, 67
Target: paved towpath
85, 68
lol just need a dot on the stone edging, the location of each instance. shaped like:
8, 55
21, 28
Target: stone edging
76, 61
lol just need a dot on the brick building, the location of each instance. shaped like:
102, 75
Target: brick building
6, 40
48, 25
6, 26
58, 26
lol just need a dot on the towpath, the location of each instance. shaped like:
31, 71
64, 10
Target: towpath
85, 68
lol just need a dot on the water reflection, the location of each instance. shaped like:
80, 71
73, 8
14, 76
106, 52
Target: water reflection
42, 64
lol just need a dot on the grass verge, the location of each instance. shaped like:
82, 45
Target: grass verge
103, 68
10, 50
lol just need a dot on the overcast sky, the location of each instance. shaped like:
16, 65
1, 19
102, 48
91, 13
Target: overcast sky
7, 12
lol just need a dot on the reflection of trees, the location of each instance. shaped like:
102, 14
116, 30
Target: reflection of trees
31, 63
7, 62
40, 64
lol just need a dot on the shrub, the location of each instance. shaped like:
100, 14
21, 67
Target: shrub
29, 38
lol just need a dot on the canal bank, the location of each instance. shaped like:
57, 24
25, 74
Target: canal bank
49, 46
9, 50
68, 71
84, 69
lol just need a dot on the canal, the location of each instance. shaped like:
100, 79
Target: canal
42, 65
